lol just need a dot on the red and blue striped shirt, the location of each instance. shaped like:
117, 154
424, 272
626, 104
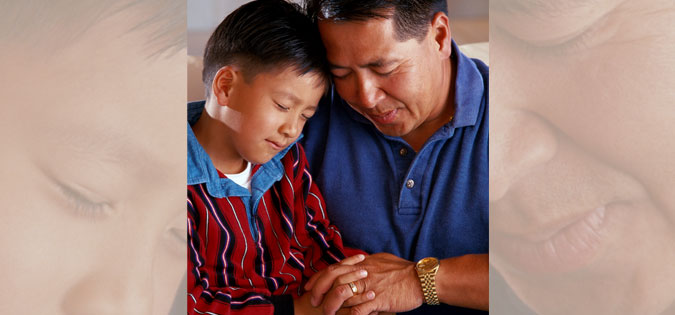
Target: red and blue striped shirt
241, 260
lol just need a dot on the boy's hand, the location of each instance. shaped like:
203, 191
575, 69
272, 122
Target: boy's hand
302, 306
338, 276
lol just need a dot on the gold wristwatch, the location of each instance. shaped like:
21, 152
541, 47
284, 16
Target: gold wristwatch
426, 269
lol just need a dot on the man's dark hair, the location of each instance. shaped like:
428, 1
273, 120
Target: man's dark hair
410, 17
262, 35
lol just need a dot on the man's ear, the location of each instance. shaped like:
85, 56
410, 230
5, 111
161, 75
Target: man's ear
222, 84
441, 35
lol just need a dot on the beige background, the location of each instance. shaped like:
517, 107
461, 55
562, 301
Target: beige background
468, 20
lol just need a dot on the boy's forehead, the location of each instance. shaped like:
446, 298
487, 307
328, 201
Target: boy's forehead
286, 72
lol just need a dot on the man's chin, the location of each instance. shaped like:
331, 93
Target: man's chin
392, 130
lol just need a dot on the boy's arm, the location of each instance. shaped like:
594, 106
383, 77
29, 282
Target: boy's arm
320, 241
203, 298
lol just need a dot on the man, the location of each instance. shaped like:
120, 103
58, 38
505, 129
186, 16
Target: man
582, 157
402, 158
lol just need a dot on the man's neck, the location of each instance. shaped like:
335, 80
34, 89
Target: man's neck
419, 136
213, 136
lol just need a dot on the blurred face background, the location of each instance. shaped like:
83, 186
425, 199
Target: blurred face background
93, 162
582, 171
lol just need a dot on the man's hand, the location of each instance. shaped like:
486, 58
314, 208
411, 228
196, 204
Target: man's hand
393, 280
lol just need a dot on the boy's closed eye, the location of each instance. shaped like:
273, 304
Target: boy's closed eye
306, 115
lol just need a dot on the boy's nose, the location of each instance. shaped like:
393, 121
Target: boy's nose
291, 128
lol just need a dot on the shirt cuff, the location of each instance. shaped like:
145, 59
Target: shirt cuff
283, 304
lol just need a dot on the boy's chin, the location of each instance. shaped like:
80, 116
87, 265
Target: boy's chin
260, 158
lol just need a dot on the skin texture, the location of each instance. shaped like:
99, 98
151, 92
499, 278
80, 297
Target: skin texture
403, 88
93, 220
582, 121
254, 121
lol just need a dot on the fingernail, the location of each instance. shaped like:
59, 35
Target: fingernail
370, 295
363, 273
361, 257
312, 301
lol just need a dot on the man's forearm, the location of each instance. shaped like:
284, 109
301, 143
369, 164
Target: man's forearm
464, 281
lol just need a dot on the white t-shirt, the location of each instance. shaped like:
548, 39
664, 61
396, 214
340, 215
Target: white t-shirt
242, 179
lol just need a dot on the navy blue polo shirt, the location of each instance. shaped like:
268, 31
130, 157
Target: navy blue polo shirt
385, 197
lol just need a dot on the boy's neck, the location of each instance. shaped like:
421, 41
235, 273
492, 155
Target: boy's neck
214, 136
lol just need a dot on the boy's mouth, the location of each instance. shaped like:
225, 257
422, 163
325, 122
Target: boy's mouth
276, 145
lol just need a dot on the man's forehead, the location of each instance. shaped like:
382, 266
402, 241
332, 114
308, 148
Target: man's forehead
364, 43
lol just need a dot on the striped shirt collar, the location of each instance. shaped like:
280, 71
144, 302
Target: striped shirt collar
202, 171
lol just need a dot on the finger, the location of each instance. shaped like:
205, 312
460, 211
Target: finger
324, 282
312, 280
365, 308
359, 299
352, 277
335, 298
352, 260
343, 311
347, 262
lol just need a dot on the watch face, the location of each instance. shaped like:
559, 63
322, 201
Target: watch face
427, 264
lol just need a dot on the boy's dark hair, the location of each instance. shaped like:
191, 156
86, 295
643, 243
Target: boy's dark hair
410, 17
262, 35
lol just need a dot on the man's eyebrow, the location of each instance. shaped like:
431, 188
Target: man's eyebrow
373, 64
540, 6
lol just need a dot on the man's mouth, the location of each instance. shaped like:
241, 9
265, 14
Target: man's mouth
385, 117
573, 245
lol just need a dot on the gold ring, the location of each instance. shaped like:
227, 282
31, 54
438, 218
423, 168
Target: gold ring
352, 286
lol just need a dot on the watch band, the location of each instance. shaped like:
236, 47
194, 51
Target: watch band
428, 281
429, 288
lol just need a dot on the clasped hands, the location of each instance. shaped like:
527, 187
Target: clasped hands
366, 284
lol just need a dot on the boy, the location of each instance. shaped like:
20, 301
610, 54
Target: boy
256, 221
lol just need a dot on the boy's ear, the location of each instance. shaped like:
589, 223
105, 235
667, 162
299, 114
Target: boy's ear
222, 84
442, 37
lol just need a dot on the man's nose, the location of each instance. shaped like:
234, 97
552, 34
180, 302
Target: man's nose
519, 142
368, 92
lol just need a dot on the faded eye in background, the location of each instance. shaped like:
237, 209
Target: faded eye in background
82, 205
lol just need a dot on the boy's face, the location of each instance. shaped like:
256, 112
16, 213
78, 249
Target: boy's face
267, 114
93, 213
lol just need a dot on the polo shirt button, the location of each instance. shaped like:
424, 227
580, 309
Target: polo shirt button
403, 151
410, 183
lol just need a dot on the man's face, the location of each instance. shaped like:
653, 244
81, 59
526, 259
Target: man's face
92, 177
581, 156
267, 114
396, 85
